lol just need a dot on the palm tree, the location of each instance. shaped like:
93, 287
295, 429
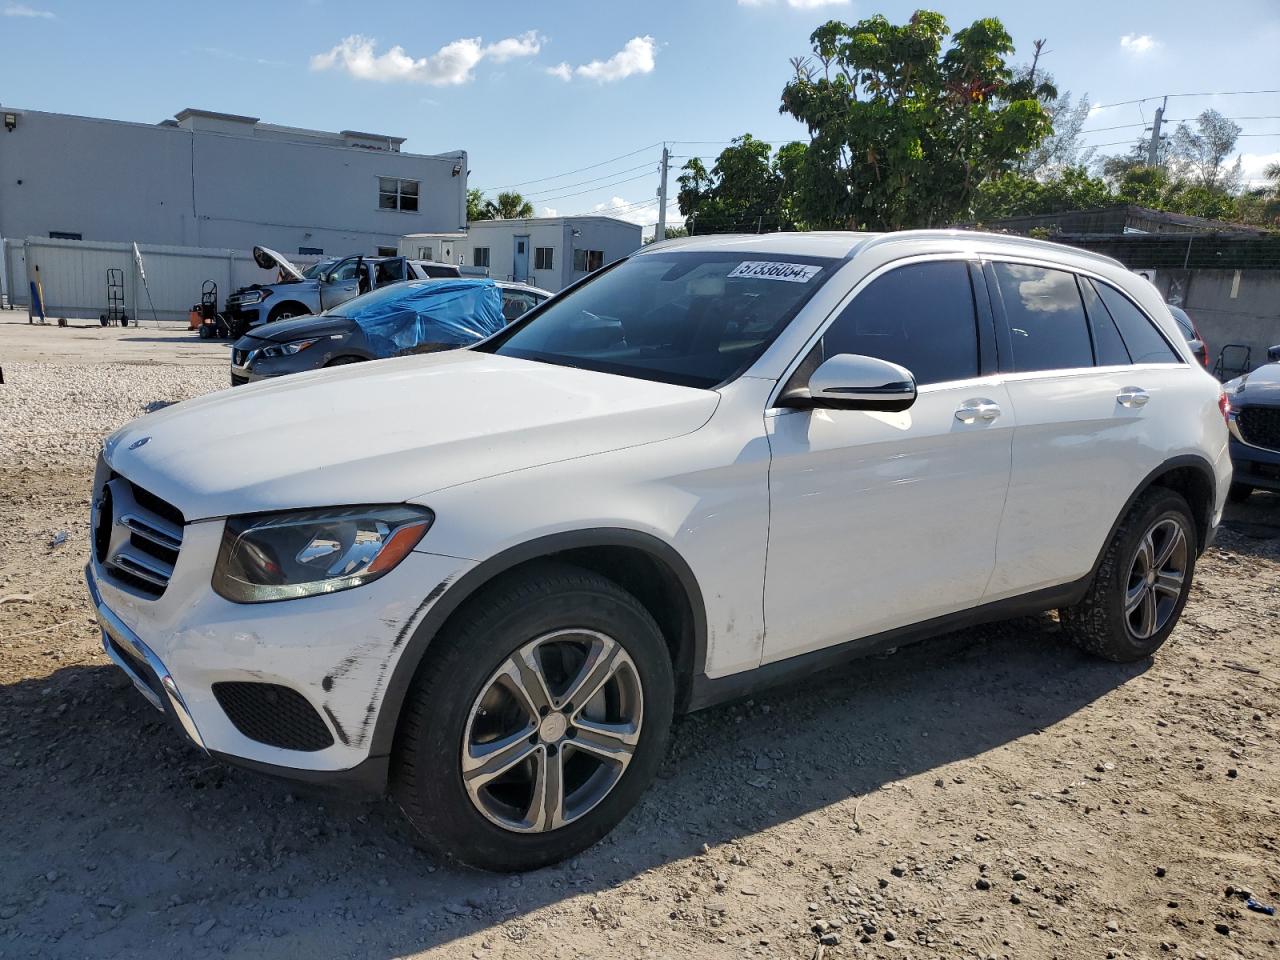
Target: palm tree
509, 206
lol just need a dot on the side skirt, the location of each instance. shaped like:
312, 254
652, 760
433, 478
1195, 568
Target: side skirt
708, 692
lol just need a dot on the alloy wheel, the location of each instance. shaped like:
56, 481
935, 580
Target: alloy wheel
552, 731
1156, 578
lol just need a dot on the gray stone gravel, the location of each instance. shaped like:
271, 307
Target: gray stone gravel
56, 414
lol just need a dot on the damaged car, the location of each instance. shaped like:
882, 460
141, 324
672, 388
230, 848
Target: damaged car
418, 316
320, 287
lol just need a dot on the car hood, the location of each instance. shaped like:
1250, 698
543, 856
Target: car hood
299, 328
1257, 386
268, 259
390, 430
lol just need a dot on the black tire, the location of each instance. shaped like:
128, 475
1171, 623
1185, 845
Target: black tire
1239, 492
343, 361
427, 777
1099, 624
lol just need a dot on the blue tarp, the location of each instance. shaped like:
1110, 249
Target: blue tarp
430, 313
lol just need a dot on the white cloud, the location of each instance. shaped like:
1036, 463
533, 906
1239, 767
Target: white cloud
452, 64
796, 4
22, 10
528, 44
635, 57
1138, 44
1252, 165
561, 70
550, 212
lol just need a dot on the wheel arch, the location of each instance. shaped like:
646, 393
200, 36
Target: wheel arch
302, 310
1190, 475
646, 566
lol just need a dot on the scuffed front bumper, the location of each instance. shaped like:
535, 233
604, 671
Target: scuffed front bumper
337, 651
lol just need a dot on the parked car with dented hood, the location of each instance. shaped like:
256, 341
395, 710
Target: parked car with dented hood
487, 579
319, 287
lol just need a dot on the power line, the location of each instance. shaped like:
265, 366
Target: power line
1143, 123
603, 186
568, 173
580, 183
1220, 93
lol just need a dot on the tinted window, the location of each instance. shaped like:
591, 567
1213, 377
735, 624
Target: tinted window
1143, 340
689, 318
920, 316
1047, 326
348, 270
1107, 345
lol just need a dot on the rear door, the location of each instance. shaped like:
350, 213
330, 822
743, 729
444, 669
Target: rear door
1083, 388
882, 520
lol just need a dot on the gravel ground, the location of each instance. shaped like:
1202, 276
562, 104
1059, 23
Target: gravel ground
992, 793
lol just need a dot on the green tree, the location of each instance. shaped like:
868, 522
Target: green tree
475, 206
746, 190
1200, 154
903, 132
509, 205
1016, 194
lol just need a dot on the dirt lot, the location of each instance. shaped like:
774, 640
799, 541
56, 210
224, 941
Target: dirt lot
989, 794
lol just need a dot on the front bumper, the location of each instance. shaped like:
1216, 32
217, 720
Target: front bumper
1255, 466
337, 651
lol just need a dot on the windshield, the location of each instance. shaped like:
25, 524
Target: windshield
391, 292
314, 271
691, 318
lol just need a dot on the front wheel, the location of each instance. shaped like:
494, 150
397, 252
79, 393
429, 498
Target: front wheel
1141, 586
539, 719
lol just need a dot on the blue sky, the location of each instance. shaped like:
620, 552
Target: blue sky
535, 91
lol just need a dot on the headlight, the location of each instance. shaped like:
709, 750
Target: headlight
304, 552
289, 349
249, 297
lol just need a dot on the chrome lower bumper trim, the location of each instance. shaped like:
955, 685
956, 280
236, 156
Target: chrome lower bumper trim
116, 634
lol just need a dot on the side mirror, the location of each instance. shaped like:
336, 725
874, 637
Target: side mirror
1273, 354
849, 381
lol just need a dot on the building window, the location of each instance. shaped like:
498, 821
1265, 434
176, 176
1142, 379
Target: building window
543, 258
394, 194
586, 261
424, 253
387, 251
64, 235
480, 256
311, 251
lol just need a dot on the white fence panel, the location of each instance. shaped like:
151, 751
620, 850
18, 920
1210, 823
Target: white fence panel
73, 276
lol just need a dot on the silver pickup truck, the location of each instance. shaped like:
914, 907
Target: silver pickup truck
321, 286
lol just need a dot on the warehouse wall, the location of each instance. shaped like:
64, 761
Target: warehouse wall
114, 181
1229, 306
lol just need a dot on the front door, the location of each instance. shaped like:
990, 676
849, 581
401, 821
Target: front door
882, 520
520, 265
341, 284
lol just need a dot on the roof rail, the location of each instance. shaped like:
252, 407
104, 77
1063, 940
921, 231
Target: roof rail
899, 236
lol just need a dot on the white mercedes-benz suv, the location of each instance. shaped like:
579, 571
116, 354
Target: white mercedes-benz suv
487, 579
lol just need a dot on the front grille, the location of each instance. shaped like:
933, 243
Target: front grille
275, 715
136, 536
1260, 426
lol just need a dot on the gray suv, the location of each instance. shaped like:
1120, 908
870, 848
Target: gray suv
321, 286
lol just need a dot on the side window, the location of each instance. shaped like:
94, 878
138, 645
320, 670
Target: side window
347, 270
543, 258
515, 304
1144, 341
920, 316
1047, 326
1107, 343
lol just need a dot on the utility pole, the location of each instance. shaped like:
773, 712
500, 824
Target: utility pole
1153, 150
660, 232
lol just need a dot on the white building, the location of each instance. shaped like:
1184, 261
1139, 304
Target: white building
209, 179
548, 252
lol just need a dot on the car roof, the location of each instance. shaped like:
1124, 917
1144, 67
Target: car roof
848, 243
526, 287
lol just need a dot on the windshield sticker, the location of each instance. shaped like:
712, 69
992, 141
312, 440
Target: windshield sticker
769, 270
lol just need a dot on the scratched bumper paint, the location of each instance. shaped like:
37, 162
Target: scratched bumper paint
337, 650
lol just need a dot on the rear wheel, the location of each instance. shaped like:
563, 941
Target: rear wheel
539, 720
1239, 492
1141, 586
